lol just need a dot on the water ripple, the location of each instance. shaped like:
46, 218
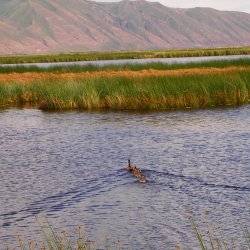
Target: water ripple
69, 167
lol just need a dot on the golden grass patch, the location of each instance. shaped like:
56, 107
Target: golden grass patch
31, 76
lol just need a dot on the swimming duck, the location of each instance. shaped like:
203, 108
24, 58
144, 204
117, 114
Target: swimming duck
136, 172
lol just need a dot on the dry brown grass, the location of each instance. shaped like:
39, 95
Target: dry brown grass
31, 76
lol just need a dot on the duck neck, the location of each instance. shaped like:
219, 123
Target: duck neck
129, 163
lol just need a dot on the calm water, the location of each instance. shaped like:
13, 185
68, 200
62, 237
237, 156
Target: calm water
68, 167
177, 60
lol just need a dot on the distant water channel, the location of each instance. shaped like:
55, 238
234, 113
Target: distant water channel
68, 167
180, 60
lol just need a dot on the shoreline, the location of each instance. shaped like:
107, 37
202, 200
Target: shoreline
155, 93
154, 87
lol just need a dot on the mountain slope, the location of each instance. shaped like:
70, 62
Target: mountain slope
31, 26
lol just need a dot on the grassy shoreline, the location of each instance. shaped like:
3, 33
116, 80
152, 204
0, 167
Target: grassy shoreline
112, 55
125, 93
153, 87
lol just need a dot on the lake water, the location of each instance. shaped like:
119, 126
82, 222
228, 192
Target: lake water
68, 167
175, 60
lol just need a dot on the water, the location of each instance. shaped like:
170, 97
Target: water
178, 60
68, 167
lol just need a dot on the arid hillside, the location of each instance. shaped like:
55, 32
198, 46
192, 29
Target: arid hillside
39, 26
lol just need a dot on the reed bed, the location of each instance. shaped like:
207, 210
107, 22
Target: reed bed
211, 239
108, 55
130, 93
28, 77
52, 240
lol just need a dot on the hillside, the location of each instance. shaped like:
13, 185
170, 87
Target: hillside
38, 26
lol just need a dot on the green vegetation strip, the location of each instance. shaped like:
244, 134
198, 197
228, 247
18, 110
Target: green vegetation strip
93, 56
121, 93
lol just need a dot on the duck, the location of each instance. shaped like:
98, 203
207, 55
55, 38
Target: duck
135, 171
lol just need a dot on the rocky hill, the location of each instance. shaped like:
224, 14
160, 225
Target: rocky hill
38, 26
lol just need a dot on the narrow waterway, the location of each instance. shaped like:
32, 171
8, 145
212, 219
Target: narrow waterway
176, 60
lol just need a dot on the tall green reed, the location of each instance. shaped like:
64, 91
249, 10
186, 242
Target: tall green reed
123, 93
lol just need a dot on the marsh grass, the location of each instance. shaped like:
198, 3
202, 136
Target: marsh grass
52, 240
210, 239
213, 240
125, 93
108, 55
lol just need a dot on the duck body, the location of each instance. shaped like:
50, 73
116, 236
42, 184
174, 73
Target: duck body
135, 171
